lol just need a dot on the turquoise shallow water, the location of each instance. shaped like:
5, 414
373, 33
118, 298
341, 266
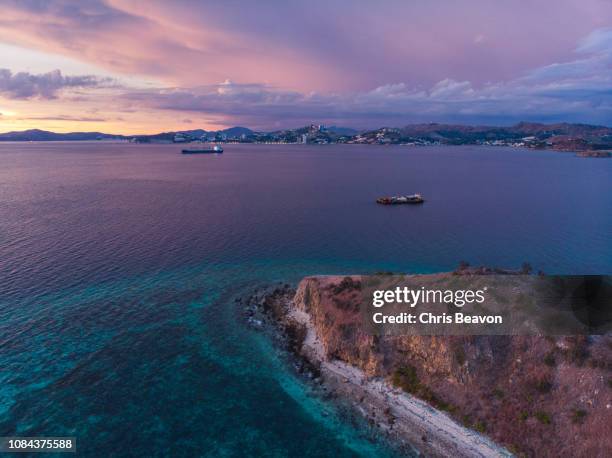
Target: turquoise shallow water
120, 265
164, 364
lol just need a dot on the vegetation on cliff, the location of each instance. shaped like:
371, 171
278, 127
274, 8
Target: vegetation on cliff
539, 396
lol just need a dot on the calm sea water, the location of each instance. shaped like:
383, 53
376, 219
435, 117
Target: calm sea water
119, 266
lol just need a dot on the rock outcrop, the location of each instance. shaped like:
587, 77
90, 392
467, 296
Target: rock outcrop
538, 396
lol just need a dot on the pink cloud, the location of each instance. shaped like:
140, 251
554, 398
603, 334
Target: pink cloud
341, 60
336, 46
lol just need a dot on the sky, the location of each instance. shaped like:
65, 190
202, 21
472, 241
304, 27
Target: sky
122, 66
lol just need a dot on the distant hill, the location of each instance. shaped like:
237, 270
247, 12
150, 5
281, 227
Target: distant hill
44, 135
236, 131
193, 133
347, 131
518, 130
38, 135
574, 130
560, 136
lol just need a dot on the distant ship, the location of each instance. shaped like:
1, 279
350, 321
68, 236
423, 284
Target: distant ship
208, 150
396, 200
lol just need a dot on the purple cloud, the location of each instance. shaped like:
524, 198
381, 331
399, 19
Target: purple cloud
579, 90
320, 45
25, 85
340, 61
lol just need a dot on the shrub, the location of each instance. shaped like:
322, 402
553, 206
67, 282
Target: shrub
550, 360
543, 417
579, 350
480, 426
406, 378
349, 304
499, 394
447, 406
516, 450
347, 283
578, 415
543, 386
524, 415
601, 363
460, 356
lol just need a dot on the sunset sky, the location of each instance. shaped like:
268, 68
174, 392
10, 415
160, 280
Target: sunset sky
122, 66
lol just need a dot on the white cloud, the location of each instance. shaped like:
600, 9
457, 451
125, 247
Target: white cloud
451, 88
598, 41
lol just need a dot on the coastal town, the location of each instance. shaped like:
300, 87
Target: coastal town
584, 139
563, 137
589, 141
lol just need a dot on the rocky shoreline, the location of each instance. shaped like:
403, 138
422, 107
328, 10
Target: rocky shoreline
445, 396
410, 424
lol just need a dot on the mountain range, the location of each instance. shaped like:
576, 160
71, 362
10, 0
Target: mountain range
562, 136
45, 135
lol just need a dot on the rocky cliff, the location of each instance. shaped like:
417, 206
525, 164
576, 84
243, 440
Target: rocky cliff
538, 396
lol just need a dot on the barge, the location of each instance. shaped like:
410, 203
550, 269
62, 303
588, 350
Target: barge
397, 200
208, 150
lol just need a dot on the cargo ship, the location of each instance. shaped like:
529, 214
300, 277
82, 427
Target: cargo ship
396, 200
207, 150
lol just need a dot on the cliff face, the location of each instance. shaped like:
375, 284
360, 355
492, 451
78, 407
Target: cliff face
539, 396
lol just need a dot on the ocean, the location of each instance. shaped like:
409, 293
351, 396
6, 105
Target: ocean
120, 265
